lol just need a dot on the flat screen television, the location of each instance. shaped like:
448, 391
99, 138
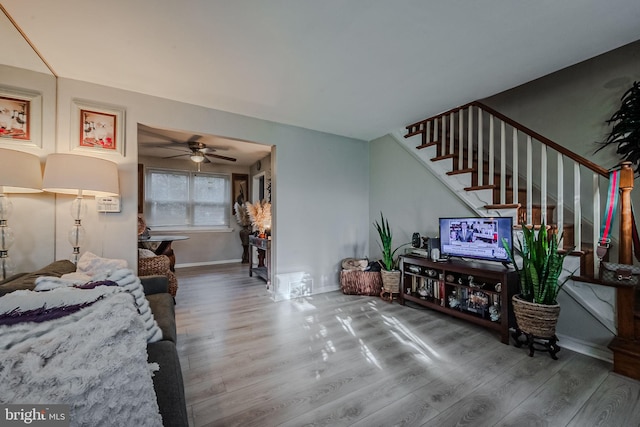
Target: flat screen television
476, 237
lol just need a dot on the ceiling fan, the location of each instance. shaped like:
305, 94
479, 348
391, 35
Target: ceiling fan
198, 152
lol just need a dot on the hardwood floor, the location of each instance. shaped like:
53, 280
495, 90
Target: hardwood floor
338, 360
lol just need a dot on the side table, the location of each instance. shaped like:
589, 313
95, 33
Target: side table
263, 268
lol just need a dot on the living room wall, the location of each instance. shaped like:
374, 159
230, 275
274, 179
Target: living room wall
320, 183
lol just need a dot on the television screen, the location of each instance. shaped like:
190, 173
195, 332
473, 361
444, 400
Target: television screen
476, 237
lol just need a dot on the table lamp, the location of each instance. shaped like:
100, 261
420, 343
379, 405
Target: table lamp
19, 173
82, 176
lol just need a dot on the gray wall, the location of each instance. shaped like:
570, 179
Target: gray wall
320, 182
408, 195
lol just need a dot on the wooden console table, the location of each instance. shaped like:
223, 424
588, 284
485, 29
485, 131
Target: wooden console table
263, 268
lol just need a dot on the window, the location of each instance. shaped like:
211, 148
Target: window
187, 199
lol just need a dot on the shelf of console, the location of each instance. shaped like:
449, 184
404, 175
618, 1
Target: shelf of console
477, 292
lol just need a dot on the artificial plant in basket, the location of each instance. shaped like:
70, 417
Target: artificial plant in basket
390, 274
541, 265
536, 309
389, 261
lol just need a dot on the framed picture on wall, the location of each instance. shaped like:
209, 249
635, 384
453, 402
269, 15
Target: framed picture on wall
239, 189
20, 116
97, 127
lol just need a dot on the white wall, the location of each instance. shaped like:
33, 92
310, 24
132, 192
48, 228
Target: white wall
32, 219
320, 182
408, 195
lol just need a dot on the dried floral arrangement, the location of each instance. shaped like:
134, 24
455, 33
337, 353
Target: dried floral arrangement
260, 214
242, 216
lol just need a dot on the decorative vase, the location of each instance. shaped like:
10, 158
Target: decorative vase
245, 232
538, 320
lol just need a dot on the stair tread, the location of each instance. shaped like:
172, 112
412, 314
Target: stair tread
460, 171
428, 144
480, 187
443, 157
505, 206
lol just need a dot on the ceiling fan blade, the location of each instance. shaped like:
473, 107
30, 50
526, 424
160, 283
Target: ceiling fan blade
173, 147
177, 155
218, 156
194, 139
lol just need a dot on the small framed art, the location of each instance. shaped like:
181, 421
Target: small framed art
20, 116
97, 127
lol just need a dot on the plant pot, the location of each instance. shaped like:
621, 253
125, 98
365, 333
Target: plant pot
538, 320
391, 280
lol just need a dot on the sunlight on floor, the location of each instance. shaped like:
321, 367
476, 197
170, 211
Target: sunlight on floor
406, 337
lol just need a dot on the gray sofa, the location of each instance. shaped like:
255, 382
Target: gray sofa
167, 381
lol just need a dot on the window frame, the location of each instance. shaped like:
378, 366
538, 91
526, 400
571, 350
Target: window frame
190, 202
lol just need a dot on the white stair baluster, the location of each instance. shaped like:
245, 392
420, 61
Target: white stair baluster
543, 185
577, 208
503, 163
529, 180
514, 167
480, 149
492, 153
470, 137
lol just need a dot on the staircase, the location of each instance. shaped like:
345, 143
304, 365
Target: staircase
501, 168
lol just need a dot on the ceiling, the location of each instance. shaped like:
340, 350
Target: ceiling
166, 143
358, 68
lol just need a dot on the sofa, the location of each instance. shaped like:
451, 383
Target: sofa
167, 381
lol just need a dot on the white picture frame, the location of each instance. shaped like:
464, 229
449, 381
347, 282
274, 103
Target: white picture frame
97, 127
20, 117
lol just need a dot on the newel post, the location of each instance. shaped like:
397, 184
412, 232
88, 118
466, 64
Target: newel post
625, 294
625, 254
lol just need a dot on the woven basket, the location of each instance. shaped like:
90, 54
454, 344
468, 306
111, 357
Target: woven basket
538, 320
360, 282
391, 281
158, 265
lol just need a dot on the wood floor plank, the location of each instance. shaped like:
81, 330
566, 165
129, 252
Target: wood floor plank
334, 359
562, 395
615, 403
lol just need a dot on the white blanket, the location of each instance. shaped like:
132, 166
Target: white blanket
126, 280
94, 360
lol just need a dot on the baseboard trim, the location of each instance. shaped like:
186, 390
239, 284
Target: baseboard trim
199, 264
586, 348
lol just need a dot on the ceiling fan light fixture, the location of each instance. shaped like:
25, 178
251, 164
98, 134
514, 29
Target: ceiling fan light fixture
197, 157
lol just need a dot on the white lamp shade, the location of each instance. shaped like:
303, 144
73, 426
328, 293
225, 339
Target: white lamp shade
69, 173
20, 172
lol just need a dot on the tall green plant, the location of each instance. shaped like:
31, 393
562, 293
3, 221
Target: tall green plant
384, 232
541, 265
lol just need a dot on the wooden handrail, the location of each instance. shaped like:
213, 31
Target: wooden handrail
546, 141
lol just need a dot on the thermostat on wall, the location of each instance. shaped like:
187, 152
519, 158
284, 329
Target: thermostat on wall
108, 204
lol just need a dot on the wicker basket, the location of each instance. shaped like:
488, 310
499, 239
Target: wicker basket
354, 282
391, 281
538, 320
158, 265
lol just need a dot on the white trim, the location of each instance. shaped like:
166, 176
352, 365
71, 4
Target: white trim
199, 264
583, 347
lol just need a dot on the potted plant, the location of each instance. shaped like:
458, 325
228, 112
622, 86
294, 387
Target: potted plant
390, 273
535, 307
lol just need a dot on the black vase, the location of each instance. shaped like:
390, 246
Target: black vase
245, 232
